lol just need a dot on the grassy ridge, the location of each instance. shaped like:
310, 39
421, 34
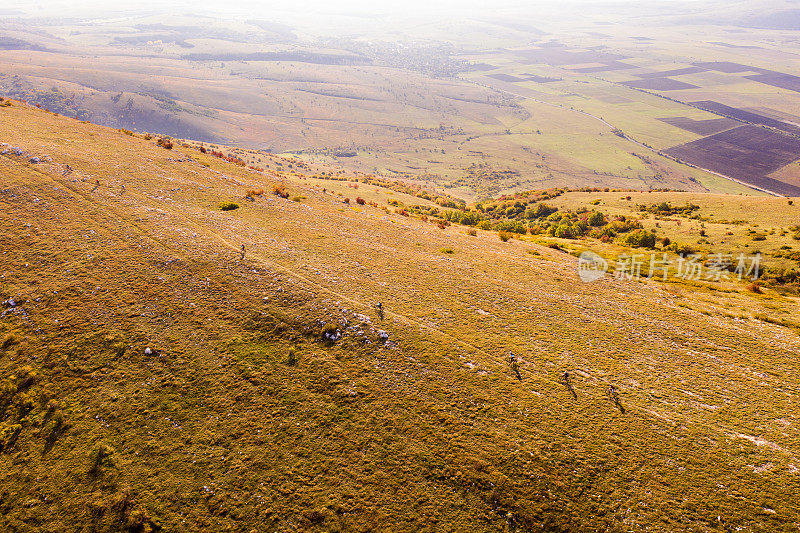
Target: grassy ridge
243, 416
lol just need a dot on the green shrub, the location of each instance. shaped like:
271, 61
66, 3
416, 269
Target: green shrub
564, 232
540, 211
504, 235
596, 219
512, 227
681, 249
640, 239
466, 218
101, 455
446, 250
291, 357
665, 208
623, 225
228, 206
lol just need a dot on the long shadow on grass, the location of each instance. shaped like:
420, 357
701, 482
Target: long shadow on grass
568, 384
615, 397
571, 389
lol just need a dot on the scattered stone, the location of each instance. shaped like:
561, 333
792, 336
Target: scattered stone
382, 335
331, 334
148, 351
11, 302
362, 318
34, 160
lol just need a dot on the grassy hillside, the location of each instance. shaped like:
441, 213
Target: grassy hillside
153, 379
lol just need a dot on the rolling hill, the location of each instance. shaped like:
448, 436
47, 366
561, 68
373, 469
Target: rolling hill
154, 377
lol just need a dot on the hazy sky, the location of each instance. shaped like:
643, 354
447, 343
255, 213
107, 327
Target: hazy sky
331, 6
333, 17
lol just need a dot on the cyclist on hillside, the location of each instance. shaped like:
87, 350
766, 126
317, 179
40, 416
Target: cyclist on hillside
512, 360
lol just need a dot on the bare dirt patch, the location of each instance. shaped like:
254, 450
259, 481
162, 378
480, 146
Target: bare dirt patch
659, 84
676, 72
778, 79
747, 153
609, 65
727, 67
505, 77
701, 127
745, 116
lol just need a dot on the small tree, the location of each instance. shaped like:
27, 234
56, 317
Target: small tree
564, 231
640, 239
596, 219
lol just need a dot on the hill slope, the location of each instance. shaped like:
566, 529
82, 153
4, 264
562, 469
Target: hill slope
154, 379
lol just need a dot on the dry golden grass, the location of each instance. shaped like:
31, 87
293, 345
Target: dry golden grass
244, 416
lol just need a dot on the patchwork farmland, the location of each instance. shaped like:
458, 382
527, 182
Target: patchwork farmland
697, 112
746, 116
747, 153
